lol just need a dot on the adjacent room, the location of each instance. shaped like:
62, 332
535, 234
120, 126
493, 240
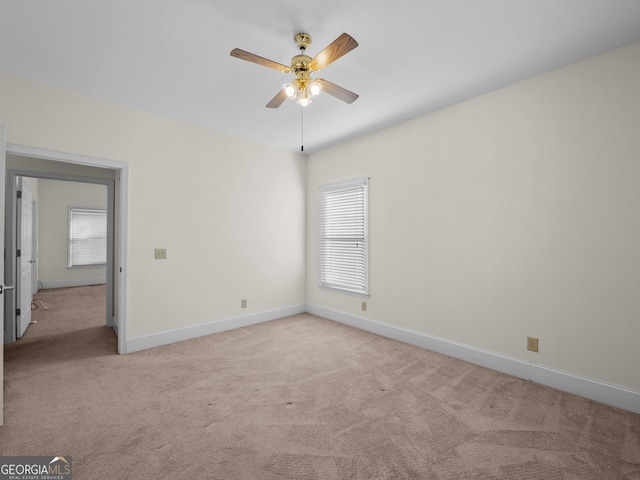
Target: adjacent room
359, 240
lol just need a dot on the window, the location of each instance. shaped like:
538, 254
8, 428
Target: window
87, 237
344, 237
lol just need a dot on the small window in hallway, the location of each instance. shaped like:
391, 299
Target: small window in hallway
87, 237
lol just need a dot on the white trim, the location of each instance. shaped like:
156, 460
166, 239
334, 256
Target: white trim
64, 157
344, 291
73, 283
123, 252
343, 183
187, 333
590, 388
114, 325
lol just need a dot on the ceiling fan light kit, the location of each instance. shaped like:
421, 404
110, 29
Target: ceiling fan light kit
303, 88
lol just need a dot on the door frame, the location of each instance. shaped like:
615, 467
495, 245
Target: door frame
12, 274
117, 191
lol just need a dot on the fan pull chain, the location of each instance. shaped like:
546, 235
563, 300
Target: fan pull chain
302, 129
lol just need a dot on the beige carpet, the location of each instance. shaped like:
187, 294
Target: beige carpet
296, 398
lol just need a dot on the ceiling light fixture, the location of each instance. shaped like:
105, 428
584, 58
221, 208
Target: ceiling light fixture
302, 90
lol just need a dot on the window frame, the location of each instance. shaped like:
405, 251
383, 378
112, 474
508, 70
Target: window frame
71, 210
344, 288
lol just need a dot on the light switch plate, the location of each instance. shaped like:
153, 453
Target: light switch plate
161, 253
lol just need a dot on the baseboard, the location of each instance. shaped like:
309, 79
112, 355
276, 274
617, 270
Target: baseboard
73, 283
187, 333
592, 389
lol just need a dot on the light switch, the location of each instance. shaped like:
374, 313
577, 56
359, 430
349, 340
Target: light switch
161, 253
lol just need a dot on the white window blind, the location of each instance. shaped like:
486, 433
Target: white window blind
87, 237
344, 236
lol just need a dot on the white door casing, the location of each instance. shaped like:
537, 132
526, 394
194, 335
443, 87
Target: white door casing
118, 194
2, 191
34, 250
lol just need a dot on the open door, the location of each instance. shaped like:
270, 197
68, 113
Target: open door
24, 260
2, 287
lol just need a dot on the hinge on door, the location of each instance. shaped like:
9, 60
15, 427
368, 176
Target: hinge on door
17, 312
19, 193
18, 253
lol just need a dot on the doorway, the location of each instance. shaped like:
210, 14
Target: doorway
71, 248
48, 165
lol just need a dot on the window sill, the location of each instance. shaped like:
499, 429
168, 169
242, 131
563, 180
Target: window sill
344, 291
82, 267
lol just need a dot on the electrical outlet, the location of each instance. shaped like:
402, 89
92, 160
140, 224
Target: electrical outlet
364, 306
161, 254
243, 303
532, 344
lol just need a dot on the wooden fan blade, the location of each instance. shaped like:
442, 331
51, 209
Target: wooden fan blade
250, 57
339, 47
277, 100
337, 91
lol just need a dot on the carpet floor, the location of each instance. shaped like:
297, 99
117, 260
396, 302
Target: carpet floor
296, 398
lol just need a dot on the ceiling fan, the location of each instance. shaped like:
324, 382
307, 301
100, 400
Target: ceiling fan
303, 88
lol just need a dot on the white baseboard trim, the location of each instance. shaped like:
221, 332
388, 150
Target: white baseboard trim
73, 283
114, 325
187, 333
592, 389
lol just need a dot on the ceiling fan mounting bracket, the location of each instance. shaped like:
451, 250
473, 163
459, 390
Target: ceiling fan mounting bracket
303, 40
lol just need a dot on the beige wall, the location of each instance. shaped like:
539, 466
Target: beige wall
229, 212
513, 214
55, 198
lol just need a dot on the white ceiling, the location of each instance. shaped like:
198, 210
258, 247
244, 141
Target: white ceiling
171, 57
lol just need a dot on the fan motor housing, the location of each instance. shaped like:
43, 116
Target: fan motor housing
300, 63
